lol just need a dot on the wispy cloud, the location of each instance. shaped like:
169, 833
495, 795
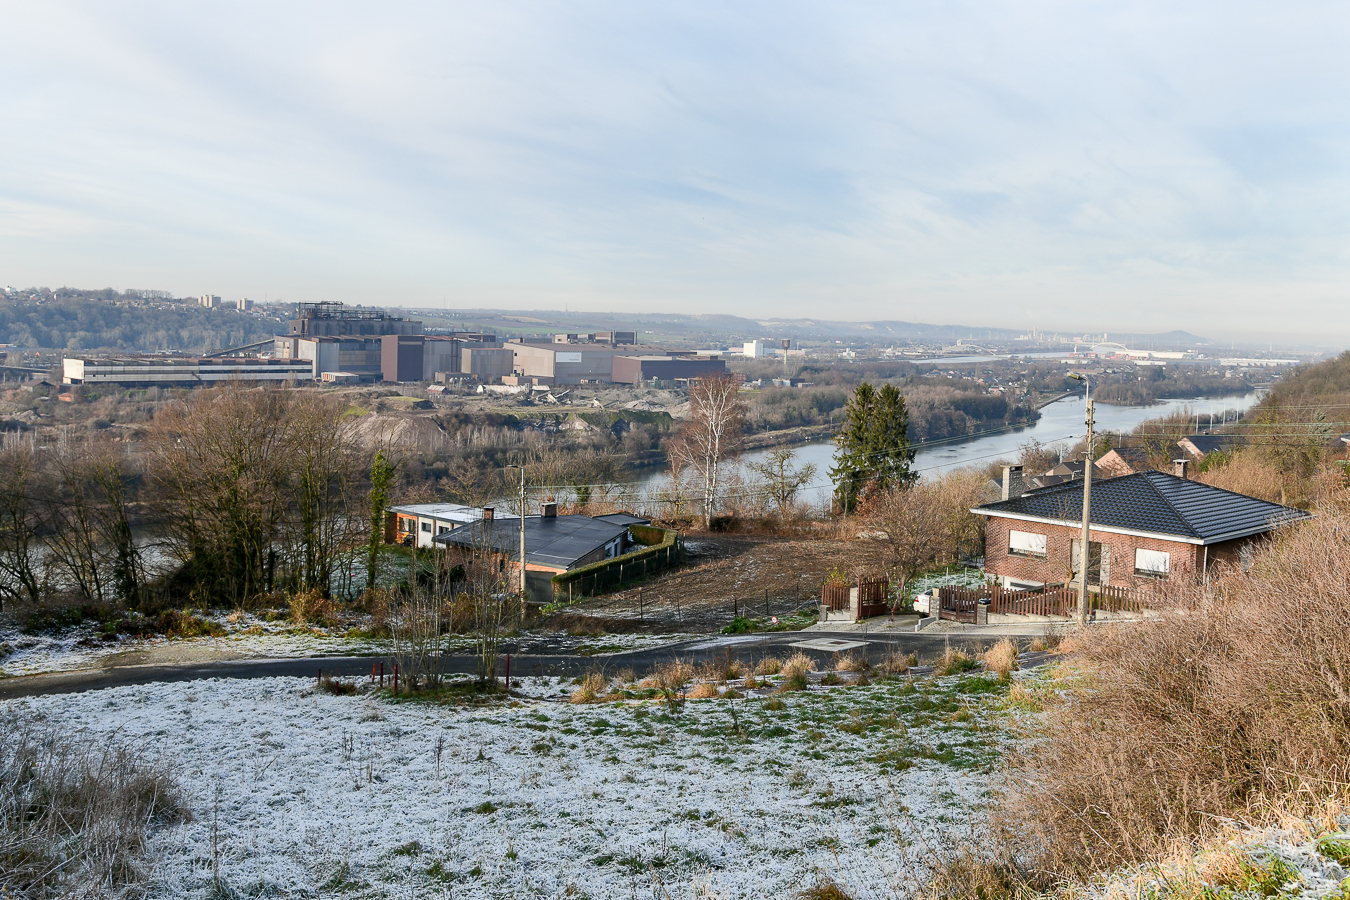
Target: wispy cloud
1100, 165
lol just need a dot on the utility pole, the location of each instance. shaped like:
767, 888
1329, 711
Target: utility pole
522, 529
1085, 554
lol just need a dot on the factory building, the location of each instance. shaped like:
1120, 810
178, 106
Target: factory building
643, 369
180, 371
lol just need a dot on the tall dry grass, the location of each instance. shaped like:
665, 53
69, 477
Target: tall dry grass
75, 814
1234, 705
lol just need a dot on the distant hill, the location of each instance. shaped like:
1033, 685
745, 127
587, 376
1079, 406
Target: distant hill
76, 324
731, 329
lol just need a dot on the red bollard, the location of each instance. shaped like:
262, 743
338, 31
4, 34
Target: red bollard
395, 679
320, 680
372, 672
381, 674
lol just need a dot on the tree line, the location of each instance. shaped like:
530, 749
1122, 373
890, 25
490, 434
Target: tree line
245, 492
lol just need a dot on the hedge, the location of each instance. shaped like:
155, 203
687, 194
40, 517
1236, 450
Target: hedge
663, 550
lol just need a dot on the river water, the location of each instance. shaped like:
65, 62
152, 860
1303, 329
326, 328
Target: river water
1061, 422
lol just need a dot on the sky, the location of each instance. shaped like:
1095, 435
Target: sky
1066, 165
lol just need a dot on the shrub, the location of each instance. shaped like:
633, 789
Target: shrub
1222, 711
1001, 659
847, 662
75, 816
739, 625
704, 690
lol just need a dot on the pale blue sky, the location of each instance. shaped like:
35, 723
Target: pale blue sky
1070, 165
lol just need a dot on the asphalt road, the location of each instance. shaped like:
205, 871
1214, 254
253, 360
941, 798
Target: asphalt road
747, 648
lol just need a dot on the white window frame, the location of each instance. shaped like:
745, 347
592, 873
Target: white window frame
1029, 550
1145, 563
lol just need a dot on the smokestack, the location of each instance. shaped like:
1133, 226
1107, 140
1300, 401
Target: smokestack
548, 510
1179, 467
1012, 482
489, 513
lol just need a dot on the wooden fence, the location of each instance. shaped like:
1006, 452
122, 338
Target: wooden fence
873, 598
960, 604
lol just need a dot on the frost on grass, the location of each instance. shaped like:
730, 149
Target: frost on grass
296, 792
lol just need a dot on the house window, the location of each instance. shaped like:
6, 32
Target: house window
426, 526
442, 529
404, 525
1152, 563
1024, 543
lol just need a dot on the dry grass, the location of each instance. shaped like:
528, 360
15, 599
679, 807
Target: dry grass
704, 690
952, 662
750, 681
797, 664
796, 668
74, 817
1001, 659
593, 689
1043, 643
826, 890
847, 662
896, 664
1230, 708
769, 665
671, 677
312, 608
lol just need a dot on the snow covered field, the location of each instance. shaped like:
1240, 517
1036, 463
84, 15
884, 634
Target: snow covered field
310, 794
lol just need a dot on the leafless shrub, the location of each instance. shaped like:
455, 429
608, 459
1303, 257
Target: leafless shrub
74, 816
1237, 703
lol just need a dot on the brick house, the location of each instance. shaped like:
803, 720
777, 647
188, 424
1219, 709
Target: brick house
1146, 527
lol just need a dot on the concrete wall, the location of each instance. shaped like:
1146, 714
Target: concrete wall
401, 357
486, 362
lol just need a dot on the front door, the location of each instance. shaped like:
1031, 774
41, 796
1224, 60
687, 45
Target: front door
1095, 561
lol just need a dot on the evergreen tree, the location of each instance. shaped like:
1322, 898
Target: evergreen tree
873, 445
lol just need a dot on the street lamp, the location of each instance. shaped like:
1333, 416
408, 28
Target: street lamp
1085, 554
522, 529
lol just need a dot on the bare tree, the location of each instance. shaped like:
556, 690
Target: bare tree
783, 480
88, 532
322, 470
219, 466
925, 524
712, 433
22, 575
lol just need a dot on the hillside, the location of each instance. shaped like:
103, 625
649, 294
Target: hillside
75, 321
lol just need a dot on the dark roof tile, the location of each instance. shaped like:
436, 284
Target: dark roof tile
1154, 502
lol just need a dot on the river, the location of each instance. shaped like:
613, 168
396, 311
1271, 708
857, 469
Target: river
1061, 422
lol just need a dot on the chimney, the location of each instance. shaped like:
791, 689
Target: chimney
1179, 467
489, 513
1012, 482
548, 510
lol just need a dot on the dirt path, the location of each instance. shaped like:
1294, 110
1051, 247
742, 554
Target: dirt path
725, 575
